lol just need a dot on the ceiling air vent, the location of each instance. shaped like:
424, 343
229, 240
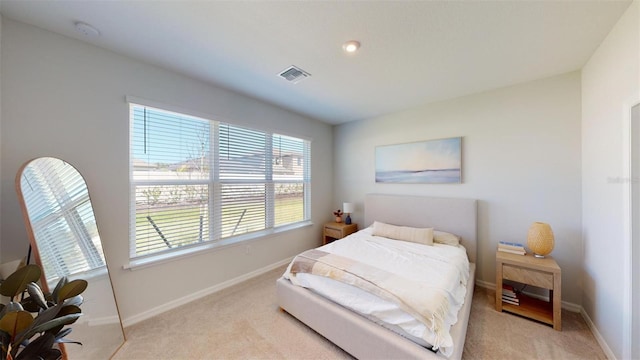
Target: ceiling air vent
294, 74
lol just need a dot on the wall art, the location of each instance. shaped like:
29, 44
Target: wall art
431, 162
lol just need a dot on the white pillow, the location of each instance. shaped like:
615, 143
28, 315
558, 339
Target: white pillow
446, 238
405, 233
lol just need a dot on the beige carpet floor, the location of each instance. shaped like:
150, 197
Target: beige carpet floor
244, 322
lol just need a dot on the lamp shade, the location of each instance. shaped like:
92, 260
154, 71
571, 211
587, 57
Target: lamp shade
540, 239
348, 208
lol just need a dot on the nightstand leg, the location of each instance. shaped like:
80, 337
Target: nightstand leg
499, 287
557, 303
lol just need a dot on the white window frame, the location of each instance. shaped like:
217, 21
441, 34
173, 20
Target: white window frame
214, 183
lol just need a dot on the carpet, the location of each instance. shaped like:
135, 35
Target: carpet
245, 322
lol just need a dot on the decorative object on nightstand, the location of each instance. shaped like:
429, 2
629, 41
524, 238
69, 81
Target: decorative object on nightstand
510, 247
338, 214
348, 208
334, 231
540, 239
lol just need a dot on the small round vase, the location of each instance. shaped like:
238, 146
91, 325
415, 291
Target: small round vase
338, 219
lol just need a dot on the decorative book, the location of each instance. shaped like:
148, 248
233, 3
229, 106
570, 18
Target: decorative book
509, 295
511, 301
513, 248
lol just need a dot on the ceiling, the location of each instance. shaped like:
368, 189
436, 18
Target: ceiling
412, 53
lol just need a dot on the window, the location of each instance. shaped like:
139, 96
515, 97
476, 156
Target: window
196, 181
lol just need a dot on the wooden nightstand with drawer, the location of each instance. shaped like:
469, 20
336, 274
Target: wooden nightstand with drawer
333, 231
526, 269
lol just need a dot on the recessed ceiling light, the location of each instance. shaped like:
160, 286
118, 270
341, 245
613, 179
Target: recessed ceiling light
351, 46
86, 29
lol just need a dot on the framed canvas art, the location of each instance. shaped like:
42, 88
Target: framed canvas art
428, 162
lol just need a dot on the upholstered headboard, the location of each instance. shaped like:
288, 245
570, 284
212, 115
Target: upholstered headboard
457, 216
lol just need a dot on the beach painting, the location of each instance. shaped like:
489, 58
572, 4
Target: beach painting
431, 162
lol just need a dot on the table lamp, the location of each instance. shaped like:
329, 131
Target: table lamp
348, 208
540, 239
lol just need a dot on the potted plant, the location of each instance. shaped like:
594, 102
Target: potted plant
29, 328
338, 214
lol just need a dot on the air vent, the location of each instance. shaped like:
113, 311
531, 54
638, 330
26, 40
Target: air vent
294, 74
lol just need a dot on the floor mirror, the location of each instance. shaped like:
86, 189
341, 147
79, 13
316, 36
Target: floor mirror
65, 241
635, 232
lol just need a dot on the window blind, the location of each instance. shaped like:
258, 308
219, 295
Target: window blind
292, 176
171, 174
62, 219
196, 180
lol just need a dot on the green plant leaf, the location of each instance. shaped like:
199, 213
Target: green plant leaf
44, 316
62, 282
11, 306
36, 348
16, 322
17, 282
60, 334
57, 330
66, 310
36, 294
63, 320
68, 341
69, 309
30, 305
5, 340
76, 300
71, 289
51, 354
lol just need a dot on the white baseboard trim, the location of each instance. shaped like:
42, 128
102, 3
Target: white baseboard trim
486, 285
105, 320
199, 294
565, 304
594, 330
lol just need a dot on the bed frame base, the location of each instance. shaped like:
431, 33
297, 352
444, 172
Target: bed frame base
359, 336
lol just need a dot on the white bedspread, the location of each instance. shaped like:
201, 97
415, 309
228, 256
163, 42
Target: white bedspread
439, 266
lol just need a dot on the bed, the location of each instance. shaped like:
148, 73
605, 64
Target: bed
358, 335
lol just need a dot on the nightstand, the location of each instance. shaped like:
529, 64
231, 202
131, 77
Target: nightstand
526, 269
333, 231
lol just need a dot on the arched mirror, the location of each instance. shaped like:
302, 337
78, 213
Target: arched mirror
64, 238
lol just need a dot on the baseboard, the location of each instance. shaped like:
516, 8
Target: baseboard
594, 330
199, 294
105, 320
565, 304
486, 285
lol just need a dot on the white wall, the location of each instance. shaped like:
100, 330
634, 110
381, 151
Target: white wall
521, 160
66, 98
610, 86
0, 128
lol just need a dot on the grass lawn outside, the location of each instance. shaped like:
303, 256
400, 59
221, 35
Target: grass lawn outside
181, 225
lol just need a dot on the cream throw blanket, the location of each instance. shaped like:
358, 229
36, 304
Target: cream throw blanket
424, 302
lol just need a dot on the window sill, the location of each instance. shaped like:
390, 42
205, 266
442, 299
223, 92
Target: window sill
151, 260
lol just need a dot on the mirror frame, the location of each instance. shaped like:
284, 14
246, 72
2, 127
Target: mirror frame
36, 253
